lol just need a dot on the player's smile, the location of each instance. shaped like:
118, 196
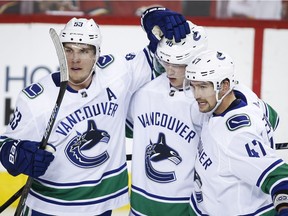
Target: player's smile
202, 105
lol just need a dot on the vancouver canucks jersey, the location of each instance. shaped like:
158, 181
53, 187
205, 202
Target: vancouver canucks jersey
248, 96
89, 174
234, 161
243, 92
164, 150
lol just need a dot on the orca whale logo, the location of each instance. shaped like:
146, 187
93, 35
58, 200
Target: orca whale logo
196, 36
160, 151
75, 150
220, 56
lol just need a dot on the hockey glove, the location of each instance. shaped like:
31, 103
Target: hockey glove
158, 22
283, 212
25, 157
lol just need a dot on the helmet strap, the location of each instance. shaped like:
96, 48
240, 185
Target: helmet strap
219, 101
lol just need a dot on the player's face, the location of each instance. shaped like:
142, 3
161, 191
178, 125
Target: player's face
204, 94
175, 73
80, 59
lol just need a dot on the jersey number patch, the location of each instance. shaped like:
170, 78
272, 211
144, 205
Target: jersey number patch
17, 116
255, 149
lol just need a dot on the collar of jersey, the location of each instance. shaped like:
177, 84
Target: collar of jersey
56, 80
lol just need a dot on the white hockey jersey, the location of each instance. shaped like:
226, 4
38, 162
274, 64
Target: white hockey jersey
234, 158
248, 96
164, 150
245, 93
89, 173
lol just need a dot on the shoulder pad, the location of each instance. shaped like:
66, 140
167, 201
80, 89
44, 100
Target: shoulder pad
238, 121
105, 60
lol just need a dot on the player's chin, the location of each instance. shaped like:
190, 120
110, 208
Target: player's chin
175, 82
75, 71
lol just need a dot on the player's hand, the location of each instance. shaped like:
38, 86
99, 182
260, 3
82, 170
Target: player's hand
283, 212
159, 22
25, 157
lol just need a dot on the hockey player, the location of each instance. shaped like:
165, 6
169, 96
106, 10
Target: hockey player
88, 175
236, 171
164, 140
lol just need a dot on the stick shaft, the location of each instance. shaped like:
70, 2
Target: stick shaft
63, 85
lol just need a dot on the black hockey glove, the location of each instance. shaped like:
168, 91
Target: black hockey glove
158, 22
25, 157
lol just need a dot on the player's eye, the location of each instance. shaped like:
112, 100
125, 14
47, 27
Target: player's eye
67, 50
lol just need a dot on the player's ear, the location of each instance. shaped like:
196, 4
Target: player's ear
227, 82
225, 86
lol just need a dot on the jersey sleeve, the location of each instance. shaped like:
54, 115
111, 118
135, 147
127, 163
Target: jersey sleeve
250, 155
140, 68
270, 113
130, 118
23, 124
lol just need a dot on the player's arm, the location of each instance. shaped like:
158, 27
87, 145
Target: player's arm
274, 171
283, 211
158, 22
270, 113
277, 183
18, 154
129, 120
250, 97
280, 198
270, 172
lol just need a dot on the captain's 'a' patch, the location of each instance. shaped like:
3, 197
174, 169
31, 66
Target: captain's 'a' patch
238, 121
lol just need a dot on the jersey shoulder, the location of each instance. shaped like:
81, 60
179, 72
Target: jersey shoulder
246, 94
106, 60
44, 91
243, 117
119, 64
155, 88
159, 84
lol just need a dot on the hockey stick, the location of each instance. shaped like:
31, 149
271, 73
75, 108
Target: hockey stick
281, 146
63, 85
11, 200
18, 193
